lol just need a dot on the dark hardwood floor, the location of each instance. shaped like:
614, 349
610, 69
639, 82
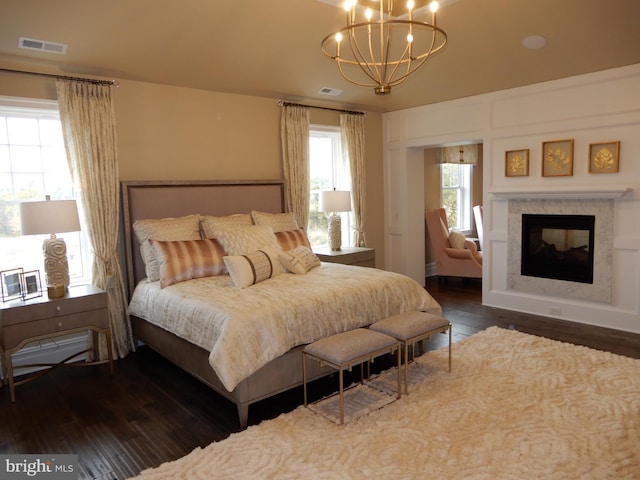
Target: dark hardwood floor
150, 412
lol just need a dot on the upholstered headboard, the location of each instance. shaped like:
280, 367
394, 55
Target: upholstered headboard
163, 199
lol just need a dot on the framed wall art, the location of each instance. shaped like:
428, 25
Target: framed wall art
557, 158
516, 163
604, 157
11, 284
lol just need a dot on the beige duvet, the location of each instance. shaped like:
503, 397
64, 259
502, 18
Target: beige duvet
246, 328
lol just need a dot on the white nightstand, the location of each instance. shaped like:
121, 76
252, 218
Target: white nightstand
360, 256
83, 308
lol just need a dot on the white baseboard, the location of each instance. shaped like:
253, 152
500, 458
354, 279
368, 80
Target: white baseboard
431, 269
48, 351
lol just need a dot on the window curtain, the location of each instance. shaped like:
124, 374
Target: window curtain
460, 154
294, 136
89, 129
352, 139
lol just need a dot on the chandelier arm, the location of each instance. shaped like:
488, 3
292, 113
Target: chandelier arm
355, 82
369, 68
397, 64
418, 62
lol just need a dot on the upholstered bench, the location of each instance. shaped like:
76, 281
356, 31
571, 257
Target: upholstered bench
411, 327
343, 350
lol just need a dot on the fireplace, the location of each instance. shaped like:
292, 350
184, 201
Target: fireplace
596, 284
558, 247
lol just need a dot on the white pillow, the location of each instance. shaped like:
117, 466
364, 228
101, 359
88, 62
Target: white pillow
210, 224
299, 260
247, 239
279, 222
166, 229
252, 268
456, 239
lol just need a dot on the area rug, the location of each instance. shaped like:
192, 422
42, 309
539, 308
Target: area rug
359, 400
514, 407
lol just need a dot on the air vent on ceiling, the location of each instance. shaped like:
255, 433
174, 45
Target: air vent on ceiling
334, 92
42, 45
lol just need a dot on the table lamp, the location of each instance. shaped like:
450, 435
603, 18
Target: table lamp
334, 201
51, 217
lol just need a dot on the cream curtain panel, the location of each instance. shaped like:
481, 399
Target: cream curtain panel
461, 154
89, 128
352, 139
294, 136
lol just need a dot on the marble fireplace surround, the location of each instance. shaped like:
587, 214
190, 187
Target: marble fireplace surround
599, 203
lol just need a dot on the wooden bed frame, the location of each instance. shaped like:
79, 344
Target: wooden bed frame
150, 199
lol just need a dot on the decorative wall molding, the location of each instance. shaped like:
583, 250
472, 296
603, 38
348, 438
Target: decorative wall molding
564, 193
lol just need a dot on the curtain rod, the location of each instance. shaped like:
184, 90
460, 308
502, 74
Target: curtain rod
113, 83
282, 103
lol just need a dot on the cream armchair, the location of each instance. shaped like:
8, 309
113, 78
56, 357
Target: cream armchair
455, 255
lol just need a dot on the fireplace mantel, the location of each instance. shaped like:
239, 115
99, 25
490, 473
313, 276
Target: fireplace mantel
583, 193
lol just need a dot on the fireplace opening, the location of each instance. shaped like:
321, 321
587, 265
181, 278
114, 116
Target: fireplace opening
558, 247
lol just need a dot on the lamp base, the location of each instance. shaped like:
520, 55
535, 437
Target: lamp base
56, 265
335, 232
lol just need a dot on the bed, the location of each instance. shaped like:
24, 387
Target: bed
245, 343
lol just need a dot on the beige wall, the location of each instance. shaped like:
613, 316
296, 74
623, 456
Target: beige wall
173, 133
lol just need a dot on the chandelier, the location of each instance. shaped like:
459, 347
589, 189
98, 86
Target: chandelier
379, 50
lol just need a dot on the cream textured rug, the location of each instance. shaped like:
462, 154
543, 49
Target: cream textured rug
514, 407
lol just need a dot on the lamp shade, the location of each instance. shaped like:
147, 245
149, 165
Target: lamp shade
49, 217
335, 201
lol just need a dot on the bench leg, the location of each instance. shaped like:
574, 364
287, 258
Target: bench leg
450, 346
304, 377
341, 398
405, 374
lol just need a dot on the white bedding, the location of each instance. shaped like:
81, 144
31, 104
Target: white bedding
246, 328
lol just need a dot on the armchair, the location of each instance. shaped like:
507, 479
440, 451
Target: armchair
455, 255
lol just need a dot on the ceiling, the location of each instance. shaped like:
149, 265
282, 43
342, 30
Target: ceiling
272, 48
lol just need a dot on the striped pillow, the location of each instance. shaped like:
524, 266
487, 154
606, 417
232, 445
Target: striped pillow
290, 239
252, 268
187, 259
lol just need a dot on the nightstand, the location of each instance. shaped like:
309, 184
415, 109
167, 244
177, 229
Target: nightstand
83, 308
361, 256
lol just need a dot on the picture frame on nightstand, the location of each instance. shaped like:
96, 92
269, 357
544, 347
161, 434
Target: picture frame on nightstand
11, 284
31, 285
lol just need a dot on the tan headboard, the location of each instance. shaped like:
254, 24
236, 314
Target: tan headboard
155, 199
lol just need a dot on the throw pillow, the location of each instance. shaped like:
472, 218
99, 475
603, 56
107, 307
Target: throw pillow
252, 268
210, 224
179, 261
299, 260
456, 239
279, 222
248, 239
168, 229
290, 239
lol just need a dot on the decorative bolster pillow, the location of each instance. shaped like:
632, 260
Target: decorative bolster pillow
252, 268
299, 260
187, 259
290, 239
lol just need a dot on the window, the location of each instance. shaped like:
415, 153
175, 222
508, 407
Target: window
33, 163
456, 194
326, 171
